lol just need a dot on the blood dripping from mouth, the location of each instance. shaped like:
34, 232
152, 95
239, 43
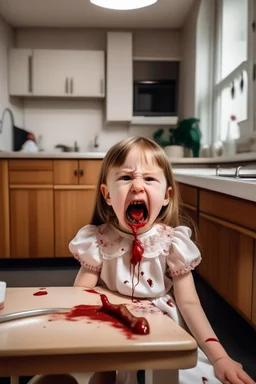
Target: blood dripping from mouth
136, 212
136, 254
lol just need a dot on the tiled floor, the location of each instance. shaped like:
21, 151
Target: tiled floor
236, 335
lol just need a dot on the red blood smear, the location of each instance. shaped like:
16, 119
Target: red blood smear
136, 254
126, 282
40, 293
204, 380
211, 339
142, 273
170, 303
138, 325
41, 289
92, 291
150, 283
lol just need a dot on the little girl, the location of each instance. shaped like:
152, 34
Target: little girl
137, 248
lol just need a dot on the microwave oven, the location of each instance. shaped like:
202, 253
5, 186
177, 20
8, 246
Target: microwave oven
155, 98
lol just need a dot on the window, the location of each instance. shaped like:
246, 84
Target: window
233, 111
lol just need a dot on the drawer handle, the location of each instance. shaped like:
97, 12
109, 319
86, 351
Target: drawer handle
81, 172
76, 172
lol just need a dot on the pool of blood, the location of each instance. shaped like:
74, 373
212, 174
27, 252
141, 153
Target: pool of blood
40, 293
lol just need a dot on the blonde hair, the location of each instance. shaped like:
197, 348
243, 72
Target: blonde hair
115, 157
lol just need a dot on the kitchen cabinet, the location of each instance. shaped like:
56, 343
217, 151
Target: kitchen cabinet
31, 208
20, 72
4, 209
68, 73
56, 73
227, 240
119, 97
75, 188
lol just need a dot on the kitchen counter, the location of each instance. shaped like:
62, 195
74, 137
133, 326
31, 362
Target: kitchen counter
242, 188
211, 161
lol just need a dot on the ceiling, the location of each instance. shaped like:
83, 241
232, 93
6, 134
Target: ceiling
81, 13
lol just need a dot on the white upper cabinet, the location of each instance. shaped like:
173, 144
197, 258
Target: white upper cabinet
20, 72
119, 97
58, 73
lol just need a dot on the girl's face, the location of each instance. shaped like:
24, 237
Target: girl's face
137, 191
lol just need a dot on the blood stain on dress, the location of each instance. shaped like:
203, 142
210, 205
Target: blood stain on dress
150, 282
170, 303
211, 339
126, 282
40, 293
204, 380
142, 273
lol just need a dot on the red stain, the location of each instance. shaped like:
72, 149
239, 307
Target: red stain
211, 339
126, 282
92, 291
170, 303
204, 379
40, 293
142, 273
118, 316
136, 254
41, 289
150, 282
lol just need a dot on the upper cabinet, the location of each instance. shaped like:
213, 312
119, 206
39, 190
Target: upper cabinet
20, 72
119, 77
57, 73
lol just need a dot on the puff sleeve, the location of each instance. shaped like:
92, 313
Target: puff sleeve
184, 254
85, 249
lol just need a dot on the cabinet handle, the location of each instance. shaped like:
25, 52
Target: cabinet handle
30, 74
102, 87
81, 172
66, 85
76, 172
71, 86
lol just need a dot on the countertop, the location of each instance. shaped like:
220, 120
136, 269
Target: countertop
241, 157
206, 178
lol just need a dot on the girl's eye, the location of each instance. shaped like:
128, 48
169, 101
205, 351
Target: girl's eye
125, 177
149, 178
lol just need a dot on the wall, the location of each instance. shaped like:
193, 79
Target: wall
67, 121
6, 41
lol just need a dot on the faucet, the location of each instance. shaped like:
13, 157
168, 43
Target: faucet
2, 120
96, 144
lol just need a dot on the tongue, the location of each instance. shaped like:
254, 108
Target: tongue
136, 213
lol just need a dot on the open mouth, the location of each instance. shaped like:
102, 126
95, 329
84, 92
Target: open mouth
137, 212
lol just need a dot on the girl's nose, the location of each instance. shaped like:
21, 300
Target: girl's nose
138, 185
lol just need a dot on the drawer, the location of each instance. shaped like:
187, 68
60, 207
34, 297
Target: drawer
30, 165
30, 177
232, 209
189, 194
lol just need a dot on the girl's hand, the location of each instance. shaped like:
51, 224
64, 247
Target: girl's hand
229, 371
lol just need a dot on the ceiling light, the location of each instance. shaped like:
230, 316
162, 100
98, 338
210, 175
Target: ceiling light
123, 4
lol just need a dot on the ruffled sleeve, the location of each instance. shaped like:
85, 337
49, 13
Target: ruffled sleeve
85, 248
184, 254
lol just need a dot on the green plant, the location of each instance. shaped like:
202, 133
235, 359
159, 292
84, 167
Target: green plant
187, 134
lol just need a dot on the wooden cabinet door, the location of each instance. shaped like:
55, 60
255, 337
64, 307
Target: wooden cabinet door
51, 69
119, 97
254, 288
32, 233
89, 171
87, 74
66, 172
4, 211
20, 72
73, 210
227, 262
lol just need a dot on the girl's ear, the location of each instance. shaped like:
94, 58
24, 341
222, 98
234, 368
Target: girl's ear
168, 194
105, 193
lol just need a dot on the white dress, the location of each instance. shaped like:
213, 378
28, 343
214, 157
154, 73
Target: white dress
167, 252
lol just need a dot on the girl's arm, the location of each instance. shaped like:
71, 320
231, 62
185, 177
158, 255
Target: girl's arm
86, 278
187, 300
